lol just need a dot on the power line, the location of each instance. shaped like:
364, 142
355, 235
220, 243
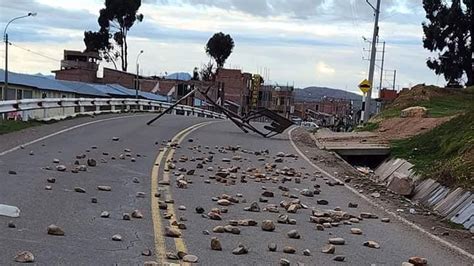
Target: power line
36, 53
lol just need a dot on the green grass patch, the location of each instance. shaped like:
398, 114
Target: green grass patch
453, 103
367, 127
445, 153
7, 126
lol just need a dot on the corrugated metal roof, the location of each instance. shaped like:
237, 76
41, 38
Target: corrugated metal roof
83, 88
108, 90
34, 81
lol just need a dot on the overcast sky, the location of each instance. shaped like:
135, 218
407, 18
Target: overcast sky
305, 42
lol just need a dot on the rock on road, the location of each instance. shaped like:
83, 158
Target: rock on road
98, 211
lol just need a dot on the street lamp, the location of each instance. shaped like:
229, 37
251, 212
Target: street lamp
5, 37
137, 83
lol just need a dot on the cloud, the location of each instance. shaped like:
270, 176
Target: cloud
324, 69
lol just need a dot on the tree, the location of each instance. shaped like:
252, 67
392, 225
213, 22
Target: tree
220, 47
207, 72
115, 20
448, 32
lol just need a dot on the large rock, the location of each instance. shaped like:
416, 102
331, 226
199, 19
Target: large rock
414, 111
401, 184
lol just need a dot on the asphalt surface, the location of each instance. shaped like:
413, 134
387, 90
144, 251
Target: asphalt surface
88, 238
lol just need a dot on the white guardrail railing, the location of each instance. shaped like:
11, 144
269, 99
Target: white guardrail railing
61, 108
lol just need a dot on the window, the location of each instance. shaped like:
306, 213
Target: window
43, 95
27, 94
19, 94
11, 94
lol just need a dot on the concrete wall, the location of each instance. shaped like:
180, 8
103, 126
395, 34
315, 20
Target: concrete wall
455, 204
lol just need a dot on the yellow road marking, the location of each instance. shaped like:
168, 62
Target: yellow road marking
161, 161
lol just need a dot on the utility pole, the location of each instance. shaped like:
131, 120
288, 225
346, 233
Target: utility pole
394, 78
372, 60
381, 66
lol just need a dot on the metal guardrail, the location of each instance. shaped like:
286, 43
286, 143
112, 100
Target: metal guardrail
71, 107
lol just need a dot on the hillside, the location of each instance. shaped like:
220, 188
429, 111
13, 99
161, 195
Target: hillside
441, 145
316, 93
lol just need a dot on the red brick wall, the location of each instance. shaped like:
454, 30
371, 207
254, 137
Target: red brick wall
234, 85
112, 76
388, 95
76, 75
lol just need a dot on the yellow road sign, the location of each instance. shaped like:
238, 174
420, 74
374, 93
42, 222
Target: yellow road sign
364, 86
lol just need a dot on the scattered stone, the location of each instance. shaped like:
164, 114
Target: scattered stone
171, 232
162, 205
115, 138
91, 162
283, 218
79, 190
337, 241
328, 249
352, 205
141, 194
375, 195
126, 217
385, 220
117, 237
293, 234
356, 231
104, 188
240, 250
289, 250
182, 208
272, 247
105, 214
214, 216
371, 244
284, 262
418, 261
11, 224
55, 230
215, 244
61, 168
199, 210
24, 257
48, 187
218, 229
307, 252
367, 215
136, 180
307, 193
253, 207
137, 214
268, 194
322, 202
268, 225
206, 232
339, 258
190, 258
146, 252
224, 202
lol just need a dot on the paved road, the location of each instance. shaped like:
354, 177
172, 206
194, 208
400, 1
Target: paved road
87, 239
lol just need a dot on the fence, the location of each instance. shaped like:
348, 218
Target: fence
61, 108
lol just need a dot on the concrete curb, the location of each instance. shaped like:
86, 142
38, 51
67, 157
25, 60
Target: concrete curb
373, 203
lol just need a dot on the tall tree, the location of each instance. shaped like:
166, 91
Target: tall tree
220, 47
115, 20
448, 32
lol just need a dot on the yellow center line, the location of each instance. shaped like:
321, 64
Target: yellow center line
161, 161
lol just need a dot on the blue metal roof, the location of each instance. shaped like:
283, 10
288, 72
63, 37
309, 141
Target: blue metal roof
108, 90
132, 93
83, 88
34, 81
